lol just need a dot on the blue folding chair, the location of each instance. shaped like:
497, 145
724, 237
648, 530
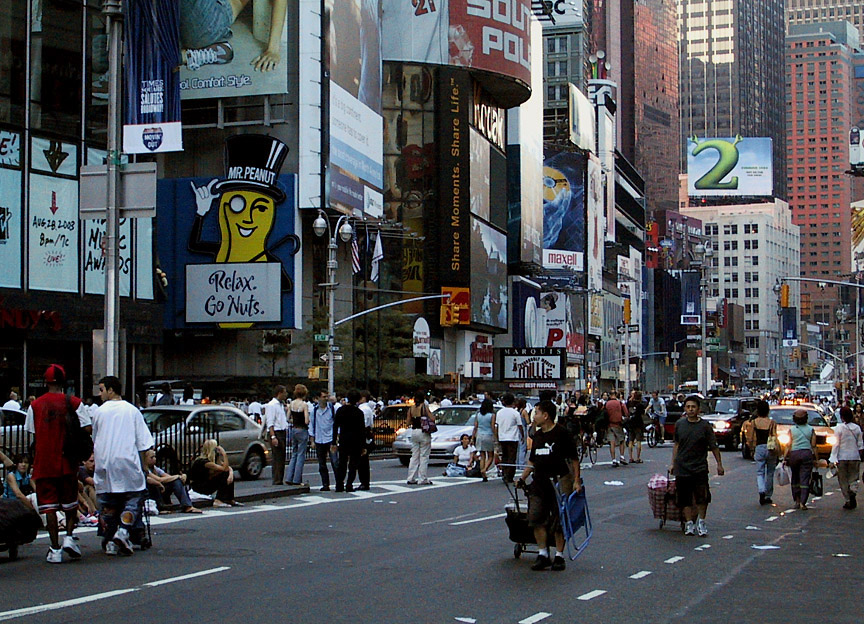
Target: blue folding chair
575, 521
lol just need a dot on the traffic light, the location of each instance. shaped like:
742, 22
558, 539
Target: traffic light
784, 296
627, 312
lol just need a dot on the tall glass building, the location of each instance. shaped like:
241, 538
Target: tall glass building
732, 74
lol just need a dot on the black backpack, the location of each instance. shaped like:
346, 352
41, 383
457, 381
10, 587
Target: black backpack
77, 445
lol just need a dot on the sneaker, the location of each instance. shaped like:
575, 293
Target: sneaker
690, 528
623, 462
121, 539
761, 498
54, 555
110, 549
411, 482
426, 482
236, 503
853, 502
363, 488
70, 547
349, 488
216, 54
541, 563
614, 463
324, 488
701, 528
559, 564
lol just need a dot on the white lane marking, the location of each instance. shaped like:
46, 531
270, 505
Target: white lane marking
771, 518
788, 511
727, 537
445, 519
395, 488
640, 575
828, 494
768, 547
473, 520
54, 606
592, 594
750, 527
467, 620
674, 559
702, 547
184, 577
537, 617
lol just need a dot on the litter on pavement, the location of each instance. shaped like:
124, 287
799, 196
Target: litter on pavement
613, 483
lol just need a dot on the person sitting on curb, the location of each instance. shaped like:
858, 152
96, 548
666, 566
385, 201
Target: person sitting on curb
161, 485
210, 473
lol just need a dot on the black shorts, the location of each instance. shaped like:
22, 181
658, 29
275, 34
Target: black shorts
692, 490
543, 505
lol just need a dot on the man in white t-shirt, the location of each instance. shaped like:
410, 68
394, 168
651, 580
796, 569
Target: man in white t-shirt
507, 428
276, 425
120, 440
12, 403
255, 410
446, 402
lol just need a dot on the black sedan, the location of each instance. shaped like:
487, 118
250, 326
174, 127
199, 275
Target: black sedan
727, 415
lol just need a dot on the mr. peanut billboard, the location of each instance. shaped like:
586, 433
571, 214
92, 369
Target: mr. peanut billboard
228, 244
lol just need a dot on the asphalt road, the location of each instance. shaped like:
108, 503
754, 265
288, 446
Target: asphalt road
441, 554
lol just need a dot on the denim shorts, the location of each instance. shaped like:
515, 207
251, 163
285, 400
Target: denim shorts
204, 22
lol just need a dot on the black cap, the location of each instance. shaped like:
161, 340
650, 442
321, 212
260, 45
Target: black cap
253, 162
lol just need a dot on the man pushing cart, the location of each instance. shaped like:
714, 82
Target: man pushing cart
554, 461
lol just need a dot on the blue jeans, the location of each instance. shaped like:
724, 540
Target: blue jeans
299, 442
766, 462
120, 509
205, 22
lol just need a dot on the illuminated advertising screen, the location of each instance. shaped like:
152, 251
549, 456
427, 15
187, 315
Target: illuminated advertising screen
581, 113
489, 296
10, 209
729, 166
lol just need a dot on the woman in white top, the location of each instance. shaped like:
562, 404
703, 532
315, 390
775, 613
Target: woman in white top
846, 456
188, 395
465, 454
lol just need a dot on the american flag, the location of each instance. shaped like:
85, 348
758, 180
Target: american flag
355, 255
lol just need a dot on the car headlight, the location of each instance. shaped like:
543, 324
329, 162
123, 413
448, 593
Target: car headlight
400, 431
831, 439
721, 425
784, 438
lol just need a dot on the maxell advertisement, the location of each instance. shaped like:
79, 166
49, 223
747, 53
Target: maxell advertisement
489, 296
52, 223
225, 55
356, 174
729, 166
152, 84
10, 209
454, 97
229, 244
530, 364
564, 210
491, 35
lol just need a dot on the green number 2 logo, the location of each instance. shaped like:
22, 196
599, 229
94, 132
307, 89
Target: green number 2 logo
728, 159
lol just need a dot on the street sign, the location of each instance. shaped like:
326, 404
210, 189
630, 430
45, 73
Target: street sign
334, 348
711, 347
337, 357
321, 338
711, 341
136, 196
790, 342
633, 329
622, 329
675, 355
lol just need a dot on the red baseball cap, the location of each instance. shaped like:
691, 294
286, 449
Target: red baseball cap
55, 374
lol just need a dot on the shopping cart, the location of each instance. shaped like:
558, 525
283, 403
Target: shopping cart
661, 497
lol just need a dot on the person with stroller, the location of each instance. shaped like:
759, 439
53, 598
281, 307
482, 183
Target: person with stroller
553, 459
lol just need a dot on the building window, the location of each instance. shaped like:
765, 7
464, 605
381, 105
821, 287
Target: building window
752, 342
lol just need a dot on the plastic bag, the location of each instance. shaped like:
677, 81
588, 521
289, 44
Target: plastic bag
783, 475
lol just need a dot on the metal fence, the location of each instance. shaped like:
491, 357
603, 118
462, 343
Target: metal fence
178, 445
383, 434
14, 440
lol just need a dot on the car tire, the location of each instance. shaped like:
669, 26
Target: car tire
731, 444
253, 465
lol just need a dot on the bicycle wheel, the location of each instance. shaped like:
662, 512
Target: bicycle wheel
652, 437
592, 452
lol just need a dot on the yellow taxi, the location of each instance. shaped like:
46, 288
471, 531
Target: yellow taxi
825, 438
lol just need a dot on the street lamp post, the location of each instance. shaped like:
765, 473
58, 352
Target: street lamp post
344, 231
781, 372
704, 252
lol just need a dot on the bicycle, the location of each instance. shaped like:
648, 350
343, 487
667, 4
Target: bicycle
588, 447
651, 435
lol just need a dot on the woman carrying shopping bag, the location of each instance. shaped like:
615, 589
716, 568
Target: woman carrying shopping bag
846, 456
800, 456
762, 436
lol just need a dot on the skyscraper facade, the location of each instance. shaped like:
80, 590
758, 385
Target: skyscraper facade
814, 11
819, 82
731, 74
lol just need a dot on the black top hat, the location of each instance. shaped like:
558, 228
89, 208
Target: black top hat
253, 161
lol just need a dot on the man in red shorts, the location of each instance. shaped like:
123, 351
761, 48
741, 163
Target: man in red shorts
54, 475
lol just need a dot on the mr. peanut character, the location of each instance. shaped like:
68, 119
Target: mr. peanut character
247, 201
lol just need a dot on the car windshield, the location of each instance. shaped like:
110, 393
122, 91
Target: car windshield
160, 420
783, 416
454, 415
725, 406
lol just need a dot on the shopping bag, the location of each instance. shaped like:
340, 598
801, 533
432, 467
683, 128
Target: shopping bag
783, 475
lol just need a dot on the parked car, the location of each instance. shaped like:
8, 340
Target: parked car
727, 415
179, 431
387, 423
452, 422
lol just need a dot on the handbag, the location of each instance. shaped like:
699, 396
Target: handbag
816, 486
771, 444
783, 475
427, 424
